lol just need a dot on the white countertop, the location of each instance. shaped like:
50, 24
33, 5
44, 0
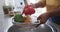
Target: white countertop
6, 21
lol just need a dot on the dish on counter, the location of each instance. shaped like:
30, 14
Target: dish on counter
21, 20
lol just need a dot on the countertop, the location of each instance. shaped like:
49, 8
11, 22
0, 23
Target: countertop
6, 23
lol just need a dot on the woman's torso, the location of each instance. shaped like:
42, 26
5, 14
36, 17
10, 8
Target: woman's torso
52, 4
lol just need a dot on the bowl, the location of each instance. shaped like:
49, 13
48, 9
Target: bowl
33, 22
41, 28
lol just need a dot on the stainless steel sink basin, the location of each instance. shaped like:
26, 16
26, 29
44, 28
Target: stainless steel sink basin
41, 28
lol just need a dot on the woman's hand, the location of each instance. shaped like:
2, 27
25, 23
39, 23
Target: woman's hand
43, 18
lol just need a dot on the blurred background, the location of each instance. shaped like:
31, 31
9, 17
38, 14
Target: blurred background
9, 7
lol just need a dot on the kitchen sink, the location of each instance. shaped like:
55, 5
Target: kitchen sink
41, 28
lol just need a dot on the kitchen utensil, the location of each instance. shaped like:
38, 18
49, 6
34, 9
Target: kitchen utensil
41, 28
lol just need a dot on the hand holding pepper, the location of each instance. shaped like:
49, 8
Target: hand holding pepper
28, 10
